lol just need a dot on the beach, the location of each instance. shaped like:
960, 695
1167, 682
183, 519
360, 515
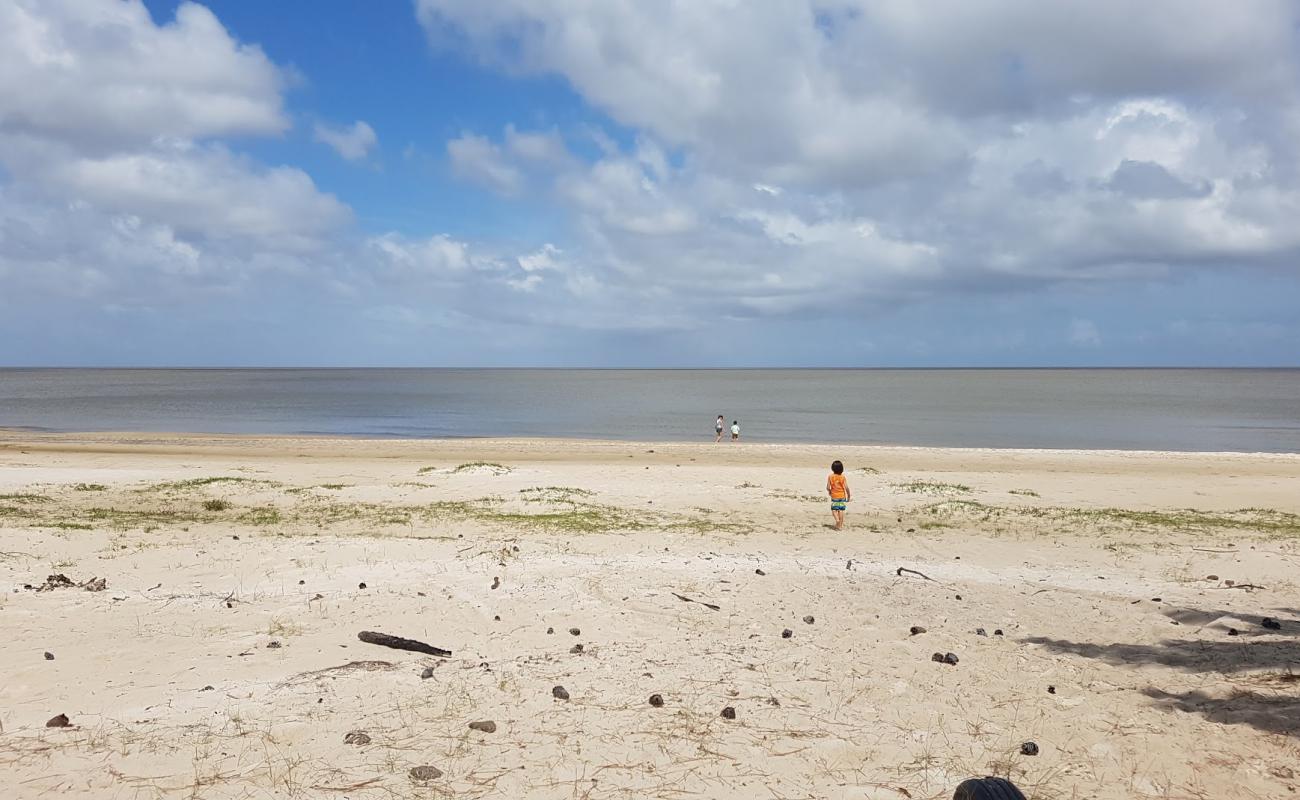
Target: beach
1105, 606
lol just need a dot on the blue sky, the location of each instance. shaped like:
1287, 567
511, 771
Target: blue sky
562, 183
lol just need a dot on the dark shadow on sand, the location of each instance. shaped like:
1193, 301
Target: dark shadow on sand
1268, 701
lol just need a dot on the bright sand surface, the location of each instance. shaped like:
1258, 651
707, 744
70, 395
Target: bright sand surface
222, 659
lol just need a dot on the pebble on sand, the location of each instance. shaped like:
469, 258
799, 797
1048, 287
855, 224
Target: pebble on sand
1271, 624
577, 648
759, 572
787, 633
810, 619
357, 738
560, 693
486, 726
575, 631
1029, 749
916, 629
425, 773
361, 585
49, 656
657, 700
61, 721
728, 713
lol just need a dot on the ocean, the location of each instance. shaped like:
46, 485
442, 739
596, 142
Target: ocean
1248, 410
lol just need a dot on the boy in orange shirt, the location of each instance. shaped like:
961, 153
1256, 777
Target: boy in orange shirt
837, 486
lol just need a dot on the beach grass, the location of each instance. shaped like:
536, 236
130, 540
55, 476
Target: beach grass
932, 487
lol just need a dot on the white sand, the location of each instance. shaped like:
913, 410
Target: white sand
1153, 698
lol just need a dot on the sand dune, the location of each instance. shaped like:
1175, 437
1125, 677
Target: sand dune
222, 659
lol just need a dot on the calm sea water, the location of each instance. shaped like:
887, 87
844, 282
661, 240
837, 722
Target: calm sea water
1233, 410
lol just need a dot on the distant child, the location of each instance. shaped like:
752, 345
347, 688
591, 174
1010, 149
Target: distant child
837, 486
717, 428
735, 430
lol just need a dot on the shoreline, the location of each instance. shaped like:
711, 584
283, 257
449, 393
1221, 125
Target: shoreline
88, 440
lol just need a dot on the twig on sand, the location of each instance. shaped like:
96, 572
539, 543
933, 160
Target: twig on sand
901, 570
399, 643
1246, 586
686, 599
1211, 550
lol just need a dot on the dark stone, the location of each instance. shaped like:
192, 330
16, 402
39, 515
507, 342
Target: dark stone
950, 658
486, 726
937, 658
911, 530
208, 688
1028, 749
575, 631
425, 773
657, 700
958, 597
997, 632
759, 572
916, 629
787, 633
1211, 577
496, 581
550, 630
1051, 690
49, 656
362, 586
61, 721
560, 693
728, 713
1233, 632
302, 583
810, 619
1271, 624
1155, 600
980, 632
426, 673
496, 618
577, 648
357, 738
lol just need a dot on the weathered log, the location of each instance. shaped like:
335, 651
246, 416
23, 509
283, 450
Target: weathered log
398, 643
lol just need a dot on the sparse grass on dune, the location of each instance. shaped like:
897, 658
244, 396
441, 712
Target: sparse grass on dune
199, 483
24, 498
1258, 521
932, 487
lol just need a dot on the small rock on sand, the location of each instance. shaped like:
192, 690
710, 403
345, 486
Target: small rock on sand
426, 674
357, 738
486, 726
361, 586
1051, 690
1029, 749
550, 631
1271, 624
1233, 632
728, 713
577, 648
496, 582
916, 629
575, 631
937, 658
787, 633
425, 773
49, 656
560, 693
61, 721
759, 572
810, 619
657, 700
997, 632
950, 658
980, 632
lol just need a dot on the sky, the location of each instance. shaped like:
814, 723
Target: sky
650, 183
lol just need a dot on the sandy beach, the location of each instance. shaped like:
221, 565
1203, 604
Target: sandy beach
1106, 606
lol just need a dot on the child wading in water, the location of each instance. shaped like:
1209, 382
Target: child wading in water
837, 486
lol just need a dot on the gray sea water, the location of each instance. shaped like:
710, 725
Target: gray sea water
1129, 409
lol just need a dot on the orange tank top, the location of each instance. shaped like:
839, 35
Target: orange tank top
839, 487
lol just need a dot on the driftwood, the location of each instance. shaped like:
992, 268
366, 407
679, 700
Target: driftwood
901, 570
398, 643
686, 599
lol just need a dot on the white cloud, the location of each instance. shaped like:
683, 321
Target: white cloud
102, 74
479, 160
353, 142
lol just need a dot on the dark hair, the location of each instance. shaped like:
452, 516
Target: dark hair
837, 468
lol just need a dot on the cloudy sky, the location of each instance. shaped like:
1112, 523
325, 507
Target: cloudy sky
650, 183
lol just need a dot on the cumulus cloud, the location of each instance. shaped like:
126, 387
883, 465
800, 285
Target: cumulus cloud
353, 142
887, 153
110, 127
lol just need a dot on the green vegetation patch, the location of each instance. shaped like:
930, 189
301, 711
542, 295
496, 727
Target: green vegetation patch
482, 466
1024, 492
25, 498
89, 487
199, 483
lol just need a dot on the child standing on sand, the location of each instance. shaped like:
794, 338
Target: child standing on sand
735, 430
717, 428
837, 486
